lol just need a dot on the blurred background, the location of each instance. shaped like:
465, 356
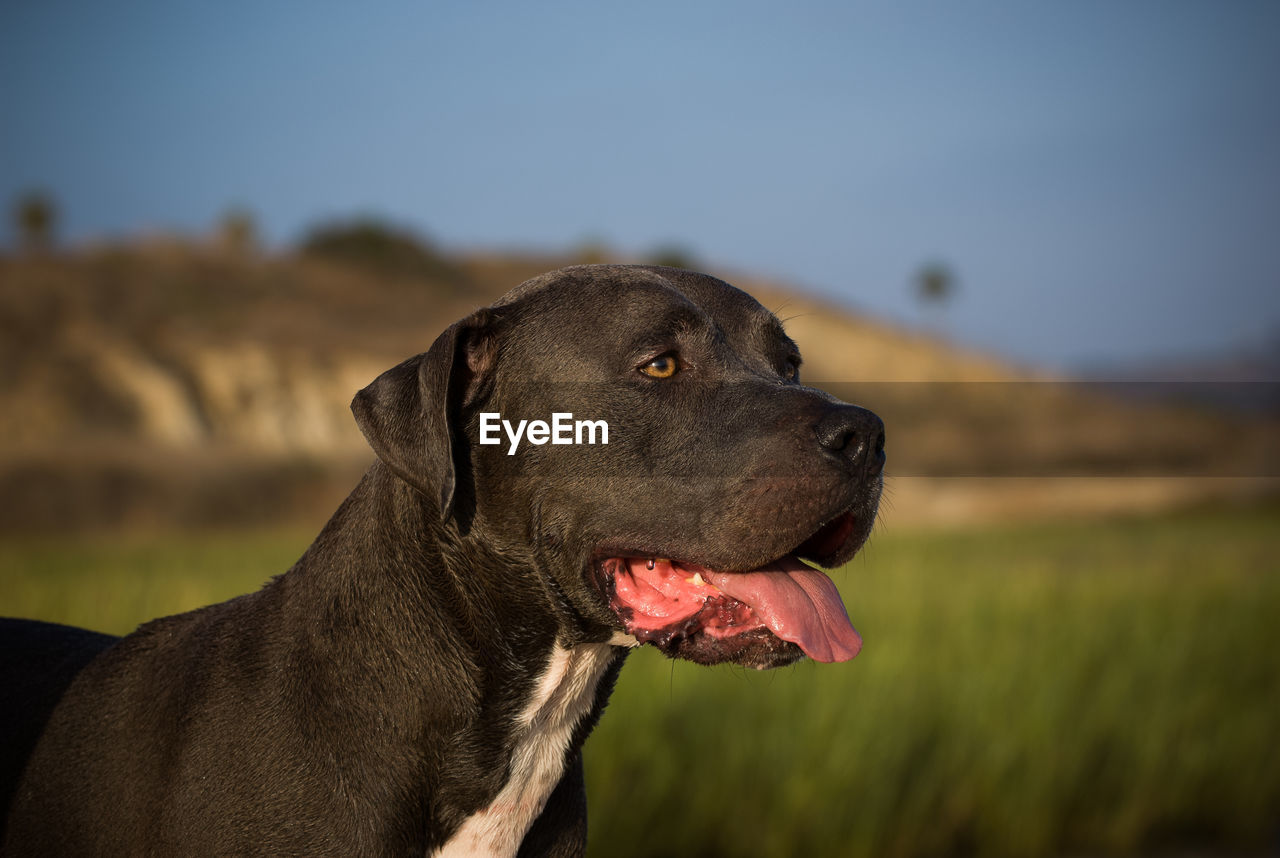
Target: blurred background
1038, 239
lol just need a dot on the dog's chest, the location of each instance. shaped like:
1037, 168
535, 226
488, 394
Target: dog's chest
562, 698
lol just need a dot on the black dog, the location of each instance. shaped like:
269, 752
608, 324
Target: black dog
421, 682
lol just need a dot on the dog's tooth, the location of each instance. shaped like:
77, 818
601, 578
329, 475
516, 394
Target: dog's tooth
697, 580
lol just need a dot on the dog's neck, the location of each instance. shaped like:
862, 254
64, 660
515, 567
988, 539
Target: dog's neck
515, 710
544, 741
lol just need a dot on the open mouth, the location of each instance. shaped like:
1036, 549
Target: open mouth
668, 602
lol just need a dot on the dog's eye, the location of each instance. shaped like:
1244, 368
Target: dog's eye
663, 366
791, 372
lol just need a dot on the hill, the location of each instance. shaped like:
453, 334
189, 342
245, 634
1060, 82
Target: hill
168, 382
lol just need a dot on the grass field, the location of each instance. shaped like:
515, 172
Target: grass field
1071, 688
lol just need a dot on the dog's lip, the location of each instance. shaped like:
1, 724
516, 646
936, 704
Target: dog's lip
829, 541
825, 547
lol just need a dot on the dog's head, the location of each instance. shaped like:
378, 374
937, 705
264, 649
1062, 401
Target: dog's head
720, 475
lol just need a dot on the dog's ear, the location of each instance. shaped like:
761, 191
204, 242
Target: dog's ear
410, 414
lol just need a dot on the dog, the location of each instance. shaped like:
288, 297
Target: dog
422, 680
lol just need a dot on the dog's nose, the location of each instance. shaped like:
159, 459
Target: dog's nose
854, 434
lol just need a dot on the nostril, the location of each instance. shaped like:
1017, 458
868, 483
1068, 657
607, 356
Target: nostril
838, 435
876, 463
854, 434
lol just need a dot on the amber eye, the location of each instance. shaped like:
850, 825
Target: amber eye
663, 366
791, 371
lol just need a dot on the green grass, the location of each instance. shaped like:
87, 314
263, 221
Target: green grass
113, 583
1073, 688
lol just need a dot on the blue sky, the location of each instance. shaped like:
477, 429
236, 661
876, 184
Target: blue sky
1103, 176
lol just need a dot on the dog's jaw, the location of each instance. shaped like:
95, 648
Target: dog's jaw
761, 617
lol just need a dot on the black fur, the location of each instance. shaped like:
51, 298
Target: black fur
363, 702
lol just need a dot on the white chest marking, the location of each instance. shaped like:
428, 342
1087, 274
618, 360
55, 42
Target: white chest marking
563, 696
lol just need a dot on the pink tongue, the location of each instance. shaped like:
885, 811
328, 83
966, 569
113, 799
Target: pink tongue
798, 604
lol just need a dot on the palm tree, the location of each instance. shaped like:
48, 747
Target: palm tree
35, 216
935, 283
